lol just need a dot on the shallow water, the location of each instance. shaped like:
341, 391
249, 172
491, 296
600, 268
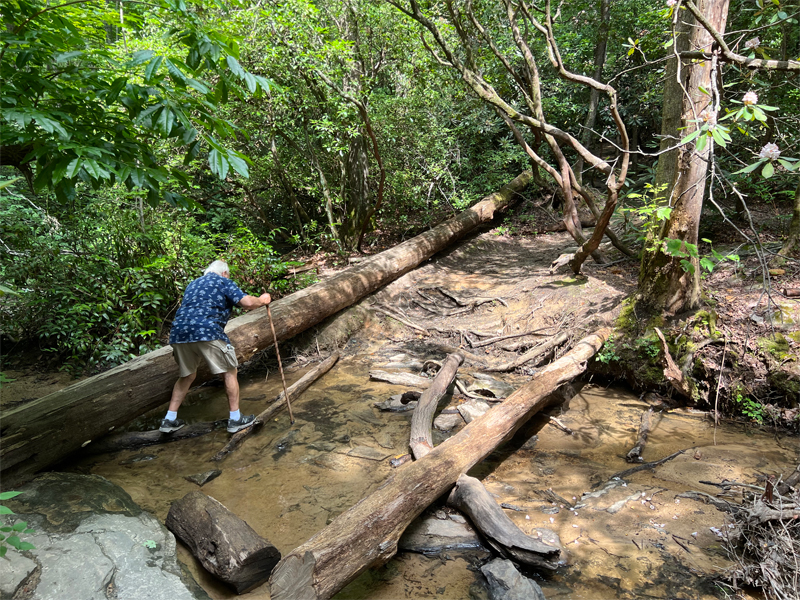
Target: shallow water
630, 538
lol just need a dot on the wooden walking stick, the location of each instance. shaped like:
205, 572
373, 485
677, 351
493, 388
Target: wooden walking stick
280, 366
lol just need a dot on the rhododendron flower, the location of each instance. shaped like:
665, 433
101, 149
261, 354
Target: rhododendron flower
752, 44
770, 151
671, 3
709, 116
749, 98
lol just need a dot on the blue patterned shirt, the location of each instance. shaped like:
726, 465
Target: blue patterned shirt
206, 308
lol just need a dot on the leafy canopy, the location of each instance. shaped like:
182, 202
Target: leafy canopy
83, 100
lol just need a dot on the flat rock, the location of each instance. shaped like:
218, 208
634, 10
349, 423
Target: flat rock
92, 541
449, 420
395, 404
430, 535
203, 478
506, 583
472, 409
15, 569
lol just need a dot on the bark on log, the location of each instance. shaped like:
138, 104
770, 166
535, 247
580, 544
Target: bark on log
367, 534
40, 433
226, 546
470, 497
131, 440
297, 388
421, 438
404, 379
646, 425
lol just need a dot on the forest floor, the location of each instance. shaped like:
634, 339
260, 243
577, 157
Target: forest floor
497, 284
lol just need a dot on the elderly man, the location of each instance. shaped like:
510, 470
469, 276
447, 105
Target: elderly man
198, 334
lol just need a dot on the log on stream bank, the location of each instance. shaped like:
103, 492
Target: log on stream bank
40, 433
367, 534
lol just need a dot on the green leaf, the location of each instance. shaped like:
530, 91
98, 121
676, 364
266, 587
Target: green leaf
166, 119
8, 496
152, 67
198, 85
239, 164
701, 143
25, 546
703, 90
750, 168
234, 66
20, 526
218, 163
65, 56
690, 137
116, 87
717, 134
707, 264
3, 550
673, 247
768, 170
175, 73
139, 57
787, 165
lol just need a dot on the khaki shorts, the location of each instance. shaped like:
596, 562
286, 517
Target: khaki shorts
219, 356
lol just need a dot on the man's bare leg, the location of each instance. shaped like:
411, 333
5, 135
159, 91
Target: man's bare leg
179, 391
232, 389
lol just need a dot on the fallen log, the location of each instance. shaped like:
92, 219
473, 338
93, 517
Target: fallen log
404, 379
297, 388
367, 534
542, 549
226, 546
40, 433
645, 427
470, 496
131, 440
421, 439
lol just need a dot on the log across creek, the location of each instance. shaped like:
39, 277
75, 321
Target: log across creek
366, 535
40, 433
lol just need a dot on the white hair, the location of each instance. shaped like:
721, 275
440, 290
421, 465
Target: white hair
218, 266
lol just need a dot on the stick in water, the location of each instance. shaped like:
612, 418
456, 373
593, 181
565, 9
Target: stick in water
280, 366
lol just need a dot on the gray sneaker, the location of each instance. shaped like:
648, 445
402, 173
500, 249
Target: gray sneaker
243, 423
168, 426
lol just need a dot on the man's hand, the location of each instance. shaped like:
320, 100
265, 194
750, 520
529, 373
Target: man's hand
251, 302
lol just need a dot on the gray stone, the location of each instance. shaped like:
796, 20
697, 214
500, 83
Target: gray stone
93, 542
203, 478
14, 570
430, 535
487, 383
472, 409
506, 583
447, 421
395, 404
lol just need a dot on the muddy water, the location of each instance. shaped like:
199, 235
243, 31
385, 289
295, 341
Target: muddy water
625, 538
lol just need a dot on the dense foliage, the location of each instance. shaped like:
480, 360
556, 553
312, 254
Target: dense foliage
154, 137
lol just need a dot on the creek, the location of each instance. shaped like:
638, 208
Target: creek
626, 538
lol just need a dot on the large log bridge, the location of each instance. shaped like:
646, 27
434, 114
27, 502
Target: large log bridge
366, 535
38, 434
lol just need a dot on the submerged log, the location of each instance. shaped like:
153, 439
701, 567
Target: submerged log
367, 534
404, 379
40, 433
297, 388
131, 440
226, 546
421, 439
645, 427
539, 550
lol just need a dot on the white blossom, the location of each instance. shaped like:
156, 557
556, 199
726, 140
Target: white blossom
769, 151
709, 116
752, 44
750, 98
671, 3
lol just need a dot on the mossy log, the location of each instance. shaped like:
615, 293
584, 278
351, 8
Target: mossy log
367, 534
47, 430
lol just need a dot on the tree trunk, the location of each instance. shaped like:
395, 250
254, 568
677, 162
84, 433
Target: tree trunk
367, 534
594, 94
664, 284
226, 546
40, 433
792, 243
421, 439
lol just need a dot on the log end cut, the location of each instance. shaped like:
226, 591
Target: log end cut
225, 545
293, 578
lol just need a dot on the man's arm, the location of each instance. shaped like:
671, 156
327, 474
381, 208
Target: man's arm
250, 302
